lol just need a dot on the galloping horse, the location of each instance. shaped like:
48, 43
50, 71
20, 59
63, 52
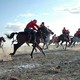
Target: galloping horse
74, 39
1, 42
25, 37
45, 40
54, 40
63, 39
58, 39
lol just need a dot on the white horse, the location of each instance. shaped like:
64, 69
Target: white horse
74, 40
46, 41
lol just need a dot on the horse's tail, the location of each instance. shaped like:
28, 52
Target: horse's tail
11, 35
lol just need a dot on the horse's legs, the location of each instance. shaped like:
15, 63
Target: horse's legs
32, 51
70, 44
58, 41
73, 45
57, 44
16, 46
50, 42
46, 46
43, 45
40, 49
66, 46
29, 45
62, 44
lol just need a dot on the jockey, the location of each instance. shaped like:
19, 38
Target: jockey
31, 27
45, 29
42, 24
64, 30
77, 34
47, 32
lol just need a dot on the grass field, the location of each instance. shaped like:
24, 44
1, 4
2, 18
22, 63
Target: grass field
56, 65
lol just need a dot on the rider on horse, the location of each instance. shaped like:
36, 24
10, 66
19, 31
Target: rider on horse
65, 32
77, 34
45, 30
31, 28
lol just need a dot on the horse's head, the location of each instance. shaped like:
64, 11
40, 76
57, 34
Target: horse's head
50, 31
2, 39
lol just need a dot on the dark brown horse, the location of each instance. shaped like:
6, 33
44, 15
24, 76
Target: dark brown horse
25, 37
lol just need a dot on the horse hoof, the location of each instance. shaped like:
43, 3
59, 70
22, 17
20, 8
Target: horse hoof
11, 54
31, 57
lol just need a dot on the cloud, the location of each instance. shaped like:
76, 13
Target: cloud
70, 8
15, 26
27, 15
75, 10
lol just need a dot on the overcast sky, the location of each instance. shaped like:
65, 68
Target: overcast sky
15, 14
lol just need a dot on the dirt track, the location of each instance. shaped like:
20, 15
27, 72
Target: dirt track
56, 65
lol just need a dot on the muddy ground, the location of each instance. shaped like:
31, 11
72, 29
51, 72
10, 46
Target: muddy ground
56, 65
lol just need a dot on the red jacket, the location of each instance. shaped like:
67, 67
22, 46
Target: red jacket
64, 30
77, 33
32, 25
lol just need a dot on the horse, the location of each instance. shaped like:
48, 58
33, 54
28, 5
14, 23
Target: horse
45, 40
54, 40
74, 40
26, 37
1, 42
61, 38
